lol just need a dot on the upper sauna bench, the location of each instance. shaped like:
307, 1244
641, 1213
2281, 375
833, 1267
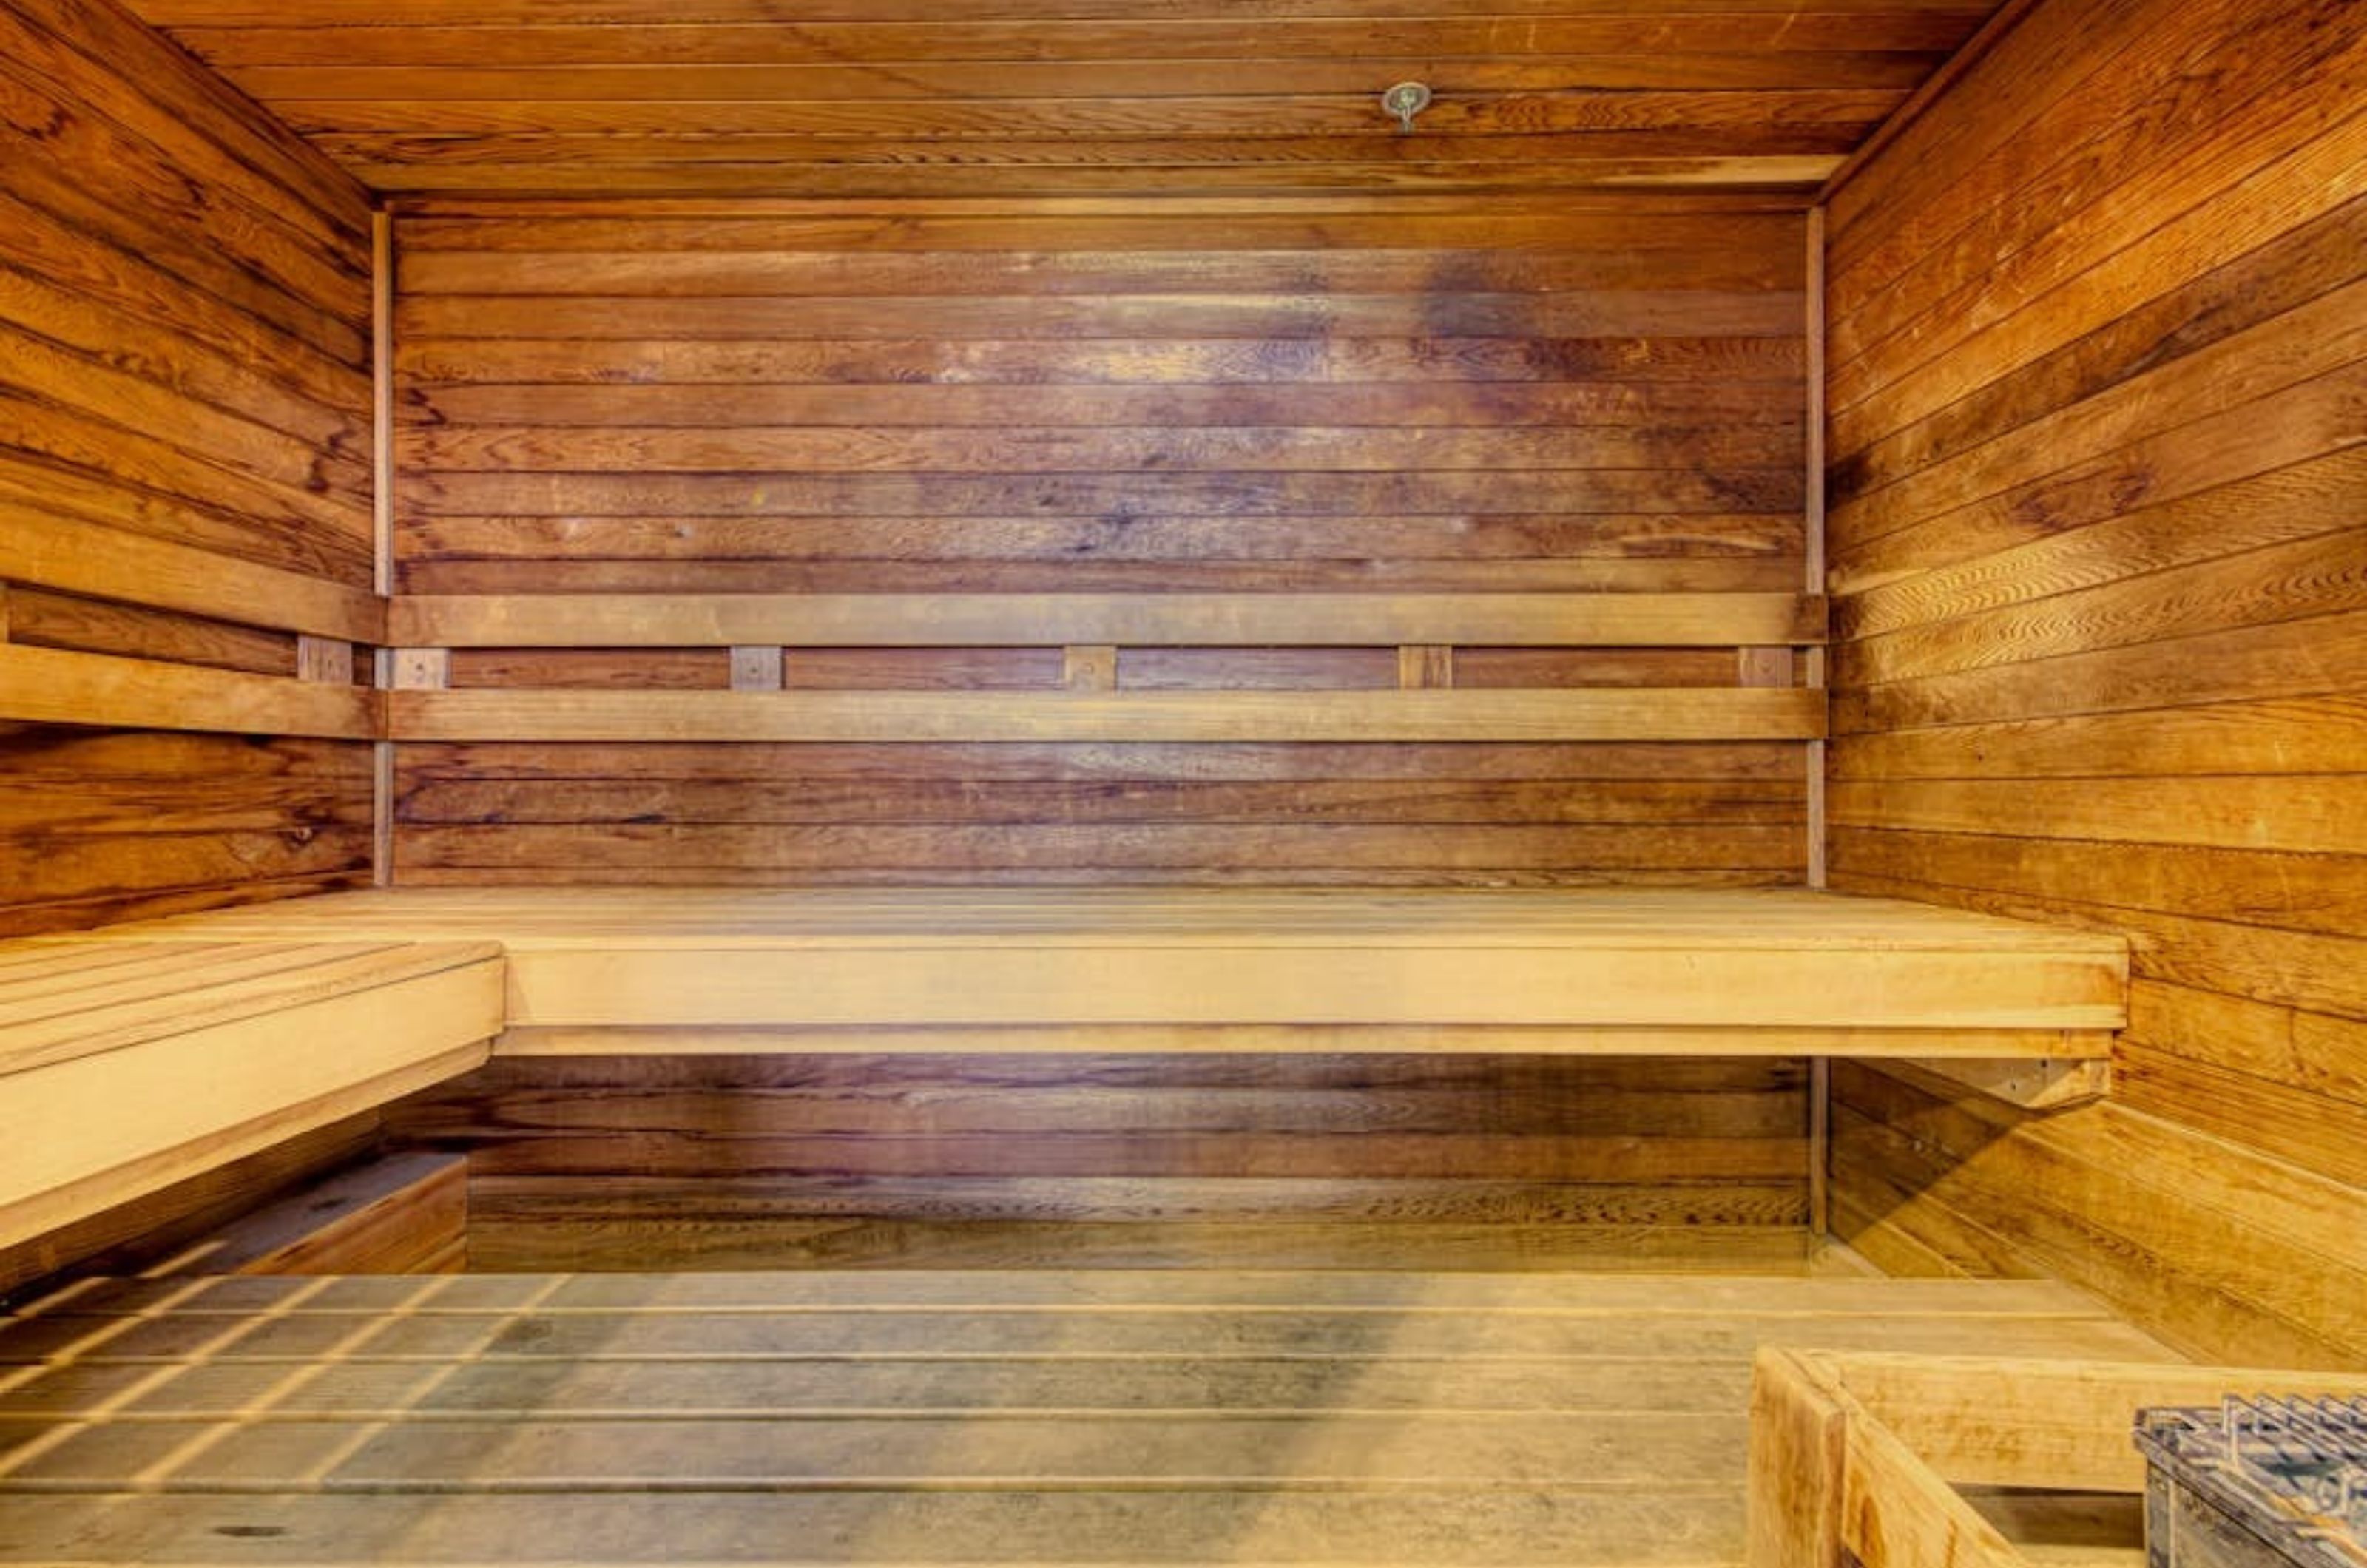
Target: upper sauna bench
139, 1055
1766, 972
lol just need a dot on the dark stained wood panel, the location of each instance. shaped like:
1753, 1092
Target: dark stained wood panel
2216, 1249
771, 1161
832, 98
148, 1231
2098, 328
1056, 398
184, 465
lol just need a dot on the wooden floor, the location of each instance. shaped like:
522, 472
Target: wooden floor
1768, 972
930, 1417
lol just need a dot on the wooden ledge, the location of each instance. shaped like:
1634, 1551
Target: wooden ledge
1858, 1457
43, 686
2010, 1050
65, 998
1134, 620
1617, 971
124, 1068
1688, 714
77, 555
2023, 1013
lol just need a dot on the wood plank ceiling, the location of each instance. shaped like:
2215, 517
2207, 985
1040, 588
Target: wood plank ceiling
1037, 98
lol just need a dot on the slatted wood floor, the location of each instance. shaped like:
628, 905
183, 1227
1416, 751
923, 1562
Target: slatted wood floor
930, 1417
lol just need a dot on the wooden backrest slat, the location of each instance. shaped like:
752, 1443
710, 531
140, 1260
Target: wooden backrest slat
44, 685
1608, 714
1132, 620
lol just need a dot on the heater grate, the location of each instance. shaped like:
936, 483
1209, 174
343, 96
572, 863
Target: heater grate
2258, 1480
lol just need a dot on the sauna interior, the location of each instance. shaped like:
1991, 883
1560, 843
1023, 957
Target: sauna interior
874, 782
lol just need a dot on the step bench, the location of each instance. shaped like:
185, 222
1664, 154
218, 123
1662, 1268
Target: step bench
126, 1068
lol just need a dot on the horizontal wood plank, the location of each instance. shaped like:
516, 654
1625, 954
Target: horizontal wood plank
103, 563
1102, 1416
1143, 620
1139, 717
1082, 99
2095, 385
2035, 1051
183, 404
157, 1104
991, 957
47, 686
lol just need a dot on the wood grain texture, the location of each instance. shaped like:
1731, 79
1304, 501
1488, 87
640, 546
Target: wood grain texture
1980, 1421
46, 685
1988, 1459
742, 1078
185, 482
1090, 1417
1086, 717
646, 429
124, 1069
652, 957
151, 1231
1338, 1160
99, 825
882, 620
2216, 1249
1027, 100
2096, 424
399, 1215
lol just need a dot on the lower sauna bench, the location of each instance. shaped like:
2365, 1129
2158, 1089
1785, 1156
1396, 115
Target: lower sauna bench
923, 1417
126, 1068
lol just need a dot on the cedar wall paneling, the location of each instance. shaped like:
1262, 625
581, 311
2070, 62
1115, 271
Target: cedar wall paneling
1307, 397
185, 426
2099, 389
991, 1161
1004, 99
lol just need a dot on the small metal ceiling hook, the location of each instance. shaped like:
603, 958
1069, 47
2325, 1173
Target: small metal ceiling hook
1404, 101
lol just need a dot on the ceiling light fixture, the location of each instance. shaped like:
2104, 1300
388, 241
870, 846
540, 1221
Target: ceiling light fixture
1404, 101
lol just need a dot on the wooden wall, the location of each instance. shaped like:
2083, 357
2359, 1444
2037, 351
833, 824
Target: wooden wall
2098, 393
870, 98
1311, 397
754, 1162
1073, 397
185, 480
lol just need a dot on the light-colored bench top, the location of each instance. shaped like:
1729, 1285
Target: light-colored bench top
64, 998
1768, 972
138, 1054
126, 1067
553, 917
